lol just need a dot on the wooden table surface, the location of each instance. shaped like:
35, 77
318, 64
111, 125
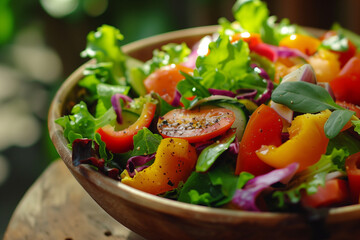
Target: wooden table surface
57, 207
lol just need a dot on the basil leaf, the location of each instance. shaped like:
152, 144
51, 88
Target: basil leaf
336, 122
304, 97
211, 153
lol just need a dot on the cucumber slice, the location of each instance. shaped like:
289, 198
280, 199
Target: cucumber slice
135, 76
241, 117
128, 119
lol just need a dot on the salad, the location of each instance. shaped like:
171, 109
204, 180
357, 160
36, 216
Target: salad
259, 116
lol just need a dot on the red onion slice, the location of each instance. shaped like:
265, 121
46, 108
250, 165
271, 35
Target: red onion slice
115, 101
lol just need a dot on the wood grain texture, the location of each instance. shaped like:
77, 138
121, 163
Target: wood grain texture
57, 207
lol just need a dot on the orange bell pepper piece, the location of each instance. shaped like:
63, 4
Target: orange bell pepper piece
307, 142
175, 159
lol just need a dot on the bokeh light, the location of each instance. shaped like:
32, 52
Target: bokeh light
59, 8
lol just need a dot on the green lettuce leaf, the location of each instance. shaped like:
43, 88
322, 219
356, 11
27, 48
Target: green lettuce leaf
145, 142
169, 54
104, 46
214, 188
272, 33
81, 124
250, 14
225, 65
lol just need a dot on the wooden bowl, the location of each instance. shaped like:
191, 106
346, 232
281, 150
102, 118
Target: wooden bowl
158, 218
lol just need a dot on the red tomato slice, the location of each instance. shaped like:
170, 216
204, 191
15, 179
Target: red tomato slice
122, 141
352, 165
164, 80
264, 128
334, 192
196, 125
346, 85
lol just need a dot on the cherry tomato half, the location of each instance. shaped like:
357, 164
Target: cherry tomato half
196, 125
264, 128
164, 80
335, 191
352, 165
346, 85
350, 106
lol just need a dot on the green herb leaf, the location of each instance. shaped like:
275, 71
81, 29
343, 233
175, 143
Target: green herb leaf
225, 65
170, 54
199, 190
190, 87
272, 33
106, 91
104, 46
336, 122
304, 97
353, 37
145, 142
337, 43
214, 188
208, 156
81, 124
251, 14
162, 106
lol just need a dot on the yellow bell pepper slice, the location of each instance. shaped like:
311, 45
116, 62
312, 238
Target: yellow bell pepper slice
175, 159
307, 142
325, 64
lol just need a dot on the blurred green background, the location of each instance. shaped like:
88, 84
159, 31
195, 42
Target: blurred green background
40, 45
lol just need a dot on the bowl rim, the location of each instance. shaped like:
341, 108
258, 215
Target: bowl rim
147, 200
